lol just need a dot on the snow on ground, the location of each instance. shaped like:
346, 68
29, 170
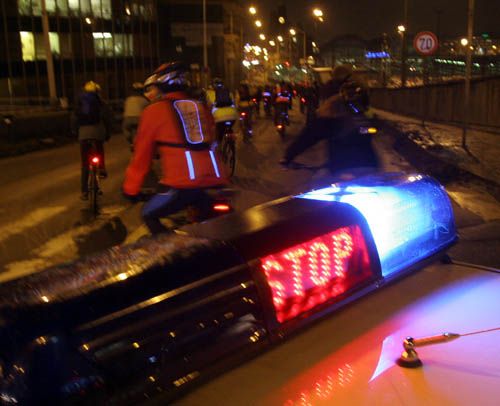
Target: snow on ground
445, 141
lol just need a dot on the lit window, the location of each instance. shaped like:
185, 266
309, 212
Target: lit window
28, 45
33, 45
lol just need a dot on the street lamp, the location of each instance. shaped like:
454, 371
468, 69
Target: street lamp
464, 42
252, 10
281, 20
280, 38
258, 23
262, 37
272, 43
401, 28
293, 32
317, 12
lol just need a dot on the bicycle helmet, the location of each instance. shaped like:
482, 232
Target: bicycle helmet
169, 77
91, 87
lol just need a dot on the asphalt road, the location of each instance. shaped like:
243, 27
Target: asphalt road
43, 222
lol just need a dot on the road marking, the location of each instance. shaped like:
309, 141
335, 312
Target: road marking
136, 234
31, 220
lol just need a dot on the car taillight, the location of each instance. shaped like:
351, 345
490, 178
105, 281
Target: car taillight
279, 126
94, 160
243, 114
316, 271
303, 100
222, 207
409, 215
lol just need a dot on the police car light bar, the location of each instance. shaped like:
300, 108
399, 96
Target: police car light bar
214, 294
410, 216
315, 271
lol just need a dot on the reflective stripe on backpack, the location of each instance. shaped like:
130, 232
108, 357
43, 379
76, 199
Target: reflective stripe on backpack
189, 114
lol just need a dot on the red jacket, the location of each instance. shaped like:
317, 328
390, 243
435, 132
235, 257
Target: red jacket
184, 165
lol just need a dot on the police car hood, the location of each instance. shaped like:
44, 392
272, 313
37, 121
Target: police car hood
349, 358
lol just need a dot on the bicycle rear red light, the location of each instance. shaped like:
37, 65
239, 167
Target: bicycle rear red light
313, 272
94, 160
222, 207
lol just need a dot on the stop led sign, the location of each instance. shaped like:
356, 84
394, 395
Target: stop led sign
426, 43
313, 272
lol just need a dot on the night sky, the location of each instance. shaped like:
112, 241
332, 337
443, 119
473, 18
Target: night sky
370, 18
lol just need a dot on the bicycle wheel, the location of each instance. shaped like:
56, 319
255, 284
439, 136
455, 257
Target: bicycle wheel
247, 132
93, 191
229, 154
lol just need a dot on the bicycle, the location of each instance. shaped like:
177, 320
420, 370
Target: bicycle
210, 203
228, 147
256, 106
267, 99
281, 121
93, 178
246, 122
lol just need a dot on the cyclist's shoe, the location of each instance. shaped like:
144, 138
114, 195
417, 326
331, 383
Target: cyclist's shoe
103, 174
84, 196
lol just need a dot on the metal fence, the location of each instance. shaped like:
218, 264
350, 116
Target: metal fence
444, 102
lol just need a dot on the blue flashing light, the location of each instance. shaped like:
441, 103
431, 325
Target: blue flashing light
377, 55
409, 215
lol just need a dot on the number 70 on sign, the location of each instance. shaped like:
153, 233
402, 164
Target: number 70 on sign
425, 43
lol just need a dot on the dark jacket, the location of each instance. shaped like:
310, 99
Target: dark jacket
92, 117
347, 149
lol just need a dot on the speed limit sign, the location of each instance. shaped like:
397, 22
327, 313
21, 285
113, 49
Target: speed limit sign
426, 43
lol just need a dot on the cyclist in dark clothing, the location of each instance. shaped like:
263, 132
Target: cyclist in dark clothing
339, 119
93, 122
244, 93
282, 98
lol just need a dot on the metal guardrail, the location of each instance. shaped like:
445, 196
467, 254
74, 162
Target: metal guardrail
444, 102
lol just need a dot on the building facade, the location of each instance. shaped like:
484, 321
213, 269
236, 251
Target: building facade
113, 42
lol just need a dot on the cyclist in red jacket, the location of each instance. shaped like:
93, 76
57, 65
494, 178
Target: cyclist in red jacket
183, 131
